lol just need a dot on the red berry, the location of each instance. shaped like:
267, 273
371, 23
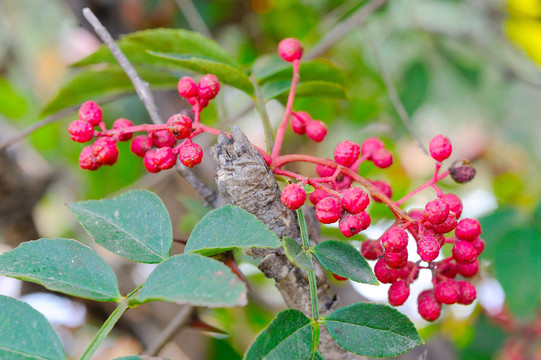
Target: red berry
140, 145
395, 239
328, 210
105, 150
180, 126
208, 87
317, 195
187, 87
446, 292
440, 148
396, 260
364, 219
350, 225
149, 162
398, 293
370, 145
293, 196
346, 153
384, 187
163, 138
428, 307
417, 216
316, 130
81, 131
290, 49
454, 202
466, 292
192, 100
468, 229
203, 103
121, 124
479, 245
339, 278
464, 252
299, 121
468, 270
428, 248
354, 200
190, 154
436, 211
87, 160
371, 249
165, 158
90, 112
448, 225
324, 171
447, 268
382, 158
409, 272
383, 273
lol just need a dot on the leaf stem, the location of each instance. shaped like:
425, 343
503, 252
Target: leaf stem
105, 330
311, 281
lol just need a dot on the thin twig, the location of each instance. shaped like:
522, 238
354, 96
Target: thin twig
141, 87
260, 106
393, 94
192, 16
29, 130
180, 320
344, 27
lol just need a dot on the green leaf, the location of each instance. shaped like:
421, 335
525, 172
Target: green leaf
135, 225
518, 270
12, 104
229, 228
193, 279
288, 336
416, 87
25, 333
226, 73
344, 260
308, 189
296, 255
135, 357
176, 41
62, 265
280, 88
102, 84
372, 330
272, 68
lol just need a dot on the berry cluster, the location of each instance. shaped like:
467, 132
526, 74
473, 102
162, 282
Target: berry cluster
339, 193
158, 148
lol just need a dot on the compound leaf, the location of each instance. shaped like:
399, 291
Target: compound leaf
62, 265
229, 228
135, 225
26, 334
372, 330
193, 279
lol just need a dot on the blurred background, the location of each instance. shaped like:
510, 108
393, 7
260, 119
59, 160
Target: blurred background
468, 69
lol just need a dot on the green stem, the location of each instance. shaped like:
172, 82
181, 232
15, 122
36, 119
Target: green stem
134, 291
105, 330
260, 105
311, 277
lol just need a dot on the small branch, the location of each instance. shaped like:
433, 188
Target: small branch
141, 87
193, 17
343, 28
260, 105
211, 197
180, 320
393, 94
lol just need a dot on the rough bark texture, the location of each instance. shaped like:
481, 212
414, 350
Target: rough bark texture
245, 181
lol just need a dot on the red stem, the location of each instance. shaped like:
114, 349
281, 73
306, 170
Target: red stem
430, 183
374, 191
289, 106
132, 129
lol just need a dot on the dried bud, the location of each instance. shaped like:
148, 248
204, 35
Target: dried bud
461, 171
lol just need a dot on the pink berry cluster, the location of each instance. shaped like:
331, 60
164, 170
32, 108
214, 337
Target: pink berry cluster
159, 148
302, 123
335, 199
